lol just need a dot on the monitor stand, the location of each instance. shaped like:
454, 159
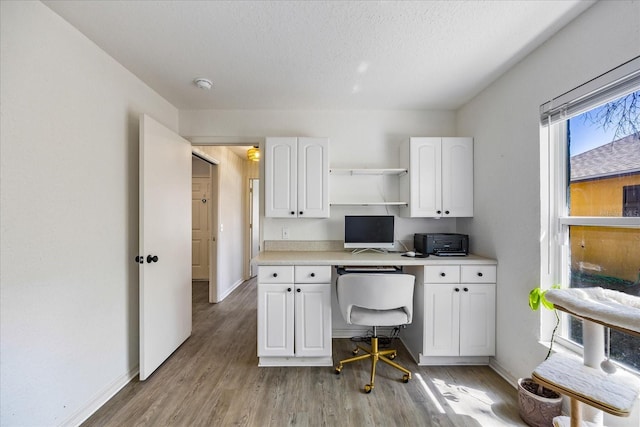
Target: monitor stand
361, 250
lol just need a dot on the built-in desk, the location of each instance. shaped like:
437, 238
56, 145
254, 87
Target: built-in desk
334, 258
454, 307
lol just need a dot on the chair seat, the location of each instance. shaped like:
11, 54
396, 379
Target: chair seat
365, 316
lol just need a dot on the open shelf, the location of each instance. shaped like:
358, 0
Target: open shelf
368, 171
368, 203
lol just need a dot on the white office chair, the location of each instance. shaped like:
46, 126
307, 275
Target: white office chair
375, 300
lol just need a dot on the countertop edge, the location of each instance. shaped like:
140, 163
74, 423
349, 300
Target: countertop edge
362, 259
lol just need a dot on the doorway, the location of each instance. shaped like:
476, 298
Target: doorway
254, 223
230, 201
201, 218
204, 211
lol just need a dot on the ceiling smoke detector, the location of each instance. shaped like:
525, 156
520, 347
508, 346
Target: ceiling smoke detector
203, 83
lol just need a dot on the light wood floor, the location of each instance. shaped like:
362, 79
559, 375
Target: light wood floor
213, 380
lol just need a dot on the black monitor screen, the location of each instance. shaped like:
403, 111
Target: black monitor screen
368, 231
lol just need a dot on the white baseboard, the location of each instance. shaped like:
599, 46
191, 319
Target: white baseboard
231, 289
503, 372
82, 414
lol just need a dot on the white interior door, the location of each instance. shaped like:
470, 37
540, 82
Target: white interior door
200, 226
165, 233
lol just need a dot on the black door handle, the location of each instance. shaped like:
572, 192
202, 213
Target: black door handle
139, 259
151, 259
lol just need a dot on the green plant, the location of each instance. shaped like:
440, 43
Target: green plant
536, 299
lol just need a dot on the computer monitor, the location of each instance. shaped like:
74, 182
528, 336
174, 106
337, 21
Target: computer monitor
368, 231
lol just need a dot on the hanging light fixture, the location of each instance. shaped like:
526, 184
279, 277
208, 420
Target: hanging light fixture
253, 154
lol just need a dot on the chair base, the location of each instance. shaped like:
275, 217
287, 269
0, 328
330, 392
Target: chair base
375, 355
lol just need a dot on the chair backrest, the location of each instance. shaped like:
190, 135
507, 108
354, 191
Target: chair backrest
375, 291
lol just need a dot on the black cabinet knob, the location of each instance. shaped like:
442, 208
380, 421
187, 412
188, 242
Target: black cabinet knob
446, 212
275, 274
443, 274
479, 274
300, 213
151, 259
288, 289
139, 259
438, 212
293, 213
298, 290
313, 274
457, 289
466, 289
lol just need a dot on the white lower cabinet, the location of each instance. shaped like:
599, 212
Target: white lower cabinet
454, 314
294, 316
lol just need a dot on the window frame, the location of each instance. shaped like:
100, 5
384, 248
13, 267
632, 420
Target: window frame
555, 220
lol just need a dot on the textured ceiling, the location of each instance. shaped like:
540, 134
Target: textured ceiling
318, 54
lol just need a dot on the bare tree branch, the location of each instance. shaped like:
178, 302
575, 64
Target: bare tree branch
623, 115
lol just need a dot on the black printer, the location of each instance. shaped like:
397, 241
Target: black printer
441, 244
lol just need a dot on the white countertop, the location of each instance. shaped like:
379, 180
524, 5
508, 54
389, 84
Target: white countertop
365, 258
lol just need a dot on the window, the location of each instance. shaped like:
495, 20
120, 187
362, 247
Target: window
631, 200
591, 197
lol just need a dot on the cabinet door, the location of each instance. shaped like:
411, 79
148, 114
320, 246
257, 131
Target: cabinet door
313, 178
457, 177
275, 319
477, 319
313, 320
442, 319
425, 176
280, 172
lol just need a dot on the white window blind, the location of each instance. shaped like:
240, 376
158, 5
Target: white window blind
613, 84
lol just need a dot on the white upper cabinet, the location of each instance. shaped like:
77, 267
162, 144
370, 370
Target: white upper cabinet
457, 177
296, 177
440, 178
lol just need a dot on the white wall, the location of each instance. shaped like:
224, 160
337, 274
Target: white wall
69, 218
504, 121
357, 139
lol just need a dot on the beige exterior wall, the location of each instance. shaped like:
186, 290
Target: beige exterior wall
605, 251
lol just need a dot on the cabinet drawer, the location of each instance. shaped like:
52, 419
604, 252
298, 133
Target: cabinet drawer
275, 274
442, 274
313, 274
478, 273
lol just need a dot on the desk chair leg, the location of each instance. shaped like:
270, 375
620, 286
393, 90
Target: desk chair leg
374, 361
375, 355
349, 360
407, 373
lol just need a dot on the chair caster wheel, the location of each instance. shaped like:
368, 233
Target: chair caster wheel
355, 351
338, 370
392, 356
368, 388
406, 378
